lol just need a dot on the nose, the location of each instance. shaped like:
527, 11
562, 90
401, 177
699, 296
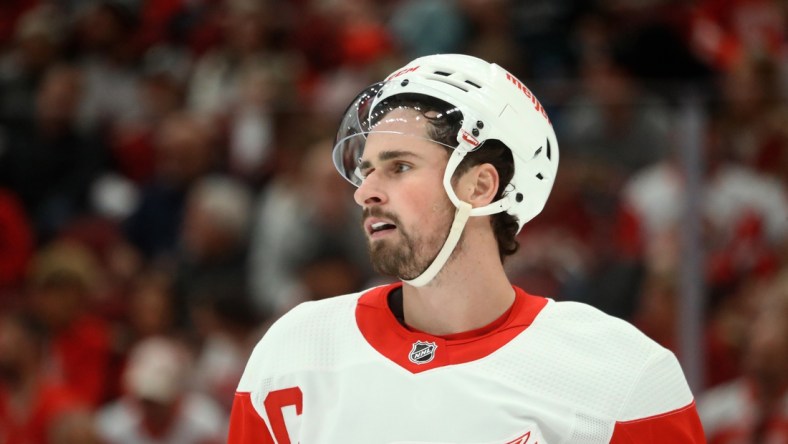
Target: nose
369, 192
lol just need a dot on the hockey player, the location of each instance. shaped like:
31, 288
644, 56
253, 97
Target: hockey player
452, 156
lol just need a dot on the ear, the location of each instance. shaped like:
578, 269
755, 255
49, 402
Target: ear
479, 184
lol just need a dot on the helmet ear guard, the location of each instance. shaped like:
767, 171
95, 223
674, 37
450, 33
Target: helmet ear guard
455, 159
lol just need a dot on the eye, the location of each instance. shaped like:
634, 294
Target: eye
362, 170
401, 167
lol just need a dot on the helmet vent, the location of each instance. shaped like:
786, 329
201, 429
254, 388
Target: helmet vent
549, 151
539, 176
456, 86
451, 79
473, 84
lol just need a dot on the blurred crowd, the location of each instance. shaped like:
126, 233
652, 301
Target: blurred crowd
167, 189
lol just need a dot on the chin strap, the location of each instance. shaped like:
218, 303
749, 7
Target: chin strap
460, 218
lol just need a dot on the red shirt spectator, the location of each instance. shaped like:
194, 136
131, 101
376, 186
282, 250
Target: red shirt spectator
50, 403
81, 355
16, 241
34, 409
64, 280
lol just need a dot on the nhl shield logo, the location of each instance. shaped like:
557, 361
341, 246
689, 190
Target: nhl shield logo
422, 352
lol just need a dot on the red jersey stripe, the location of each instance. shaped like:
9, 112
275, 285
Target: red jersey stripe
677, 426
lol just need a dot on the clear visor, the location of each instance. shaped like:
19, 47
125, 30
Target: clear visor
412, 116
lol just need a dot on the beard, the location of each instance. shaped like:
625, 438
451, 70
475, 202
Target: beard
407, 257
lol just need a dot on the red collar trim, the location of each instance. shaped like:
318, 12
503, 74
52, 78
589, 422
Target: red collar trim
386, 335
475, 333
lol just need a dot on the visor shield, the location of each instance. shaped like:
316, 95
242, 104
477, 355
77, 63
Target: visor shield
411, 116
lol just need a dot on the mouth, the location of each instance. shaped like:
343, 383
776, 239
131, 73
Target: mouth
377, 228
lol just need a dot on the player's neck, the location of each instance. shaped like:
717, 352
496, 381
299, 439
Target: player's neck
470, 292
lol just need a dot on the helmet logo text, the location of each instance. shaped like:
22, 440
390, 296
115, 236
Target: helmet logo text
524, 89
402, 72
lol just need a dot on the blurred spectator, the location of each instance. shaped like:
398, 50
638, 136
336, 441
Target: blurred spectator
63, 280
118, 262
108, 53
250, 126
650, 37
47, 161
16, 245
228, 329
330, 271
755, 115
38, 39
363, 37
724, 32
213, 254
167, 21
163, 75
299, 218
745, 221
216, 83
149, 309
241, 82
131, 140
423, 27
742, 210
491, 29
739, 206
158, 406
10, 11
185, 151
657, 303
541, 28
612, 124
754, 408
351, 38
727, 327
35, 408
337, 34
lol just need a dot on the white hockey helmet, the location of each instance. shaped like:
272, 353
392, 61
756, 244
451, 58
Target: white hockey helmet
494, 105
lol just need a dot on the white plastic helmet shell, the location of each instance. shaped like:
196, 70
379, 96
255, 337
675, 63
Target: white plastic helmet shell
494, 105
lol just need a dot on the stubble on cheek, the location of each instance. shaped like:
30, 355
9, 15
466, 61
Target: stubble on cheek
408, 253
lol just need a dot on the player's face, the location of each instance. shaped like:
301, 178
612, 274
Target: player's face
406, 213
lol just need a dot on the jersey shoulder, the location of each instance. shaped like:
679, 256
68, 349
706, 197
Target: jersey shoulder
319, 315
308, 336
590, 326
611, 361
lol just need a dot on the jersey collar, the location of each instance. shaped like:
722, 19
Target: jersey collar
418, 351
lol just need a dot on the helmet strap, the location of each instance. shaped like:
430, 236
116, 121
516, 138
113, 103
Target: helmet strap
460, 219
464, 211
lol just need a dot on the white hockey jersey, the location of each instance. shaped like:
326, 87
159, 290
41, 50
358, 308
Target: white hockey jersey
344, 370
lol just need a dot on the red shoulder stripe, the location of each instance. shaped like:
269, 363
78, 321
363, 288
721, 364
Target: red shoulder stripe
677, 426
246, 425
